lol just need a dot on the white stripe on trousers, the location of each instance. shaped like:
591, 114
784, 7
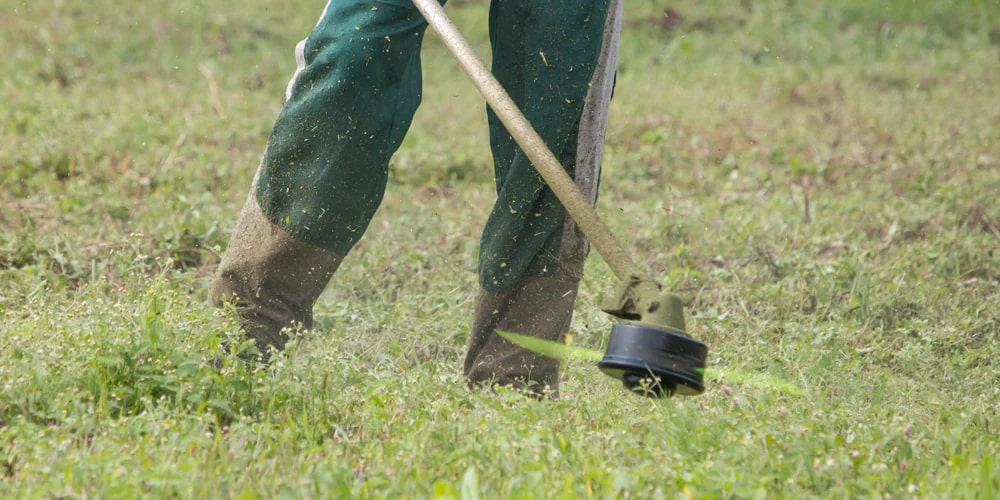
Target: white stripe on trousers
300, 56
593, 126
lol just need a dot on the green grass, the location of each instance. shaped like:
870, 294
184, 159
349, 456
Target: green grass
818, 179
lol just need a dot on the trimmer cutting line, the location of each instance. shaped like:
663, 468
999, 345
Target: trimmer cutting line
652, 354
559, 350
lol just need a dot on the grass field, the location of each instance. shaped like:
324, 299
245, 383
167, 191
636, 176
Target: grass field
819, 179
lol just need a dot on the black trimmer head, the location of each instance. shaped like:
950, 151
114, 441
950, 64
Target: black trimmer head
654, 361
653, 356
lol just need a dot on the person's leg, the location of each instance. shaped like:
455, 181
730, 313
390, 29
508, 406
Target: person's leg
557, 61
324, 171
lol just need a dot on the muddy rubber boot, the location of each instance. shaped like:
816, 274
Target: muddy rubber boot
272, 278
541, 307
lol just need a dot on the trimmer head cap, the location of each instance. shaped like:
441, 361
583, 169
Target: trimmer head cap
655, 361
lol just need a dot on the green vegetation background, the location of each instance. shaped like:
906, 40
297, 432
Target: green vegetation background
819, 179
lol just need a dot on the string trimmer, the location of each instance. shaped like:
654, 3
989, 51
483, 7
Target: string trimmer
651, 354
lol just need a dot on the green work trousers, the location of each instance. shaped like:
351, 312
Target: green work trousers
353, 97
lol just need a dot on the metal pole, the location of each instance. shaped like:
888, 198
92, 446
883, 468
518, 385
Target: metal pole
578, 206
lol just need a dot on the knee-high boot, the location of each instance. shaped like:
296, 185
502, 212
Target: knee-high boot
541, 307
272, 278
